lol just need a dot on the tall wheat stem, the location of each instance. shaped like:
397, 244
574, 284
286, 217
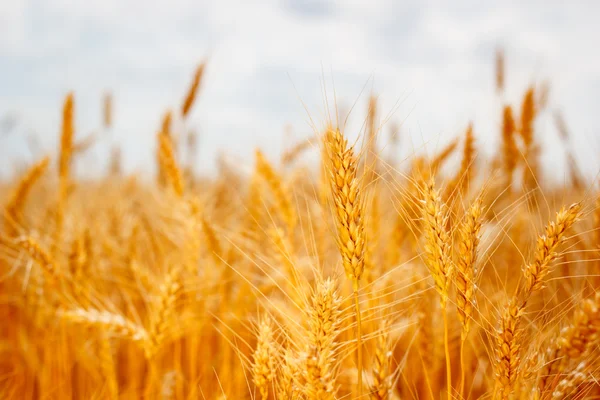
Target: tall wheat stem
447, 351
359, 362
462, 367
437, 258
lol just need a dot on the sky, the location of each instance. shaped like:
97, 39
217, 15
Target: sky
274, 68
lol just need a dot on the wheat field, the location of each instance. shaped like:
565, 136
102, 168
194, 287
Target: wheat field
358, 277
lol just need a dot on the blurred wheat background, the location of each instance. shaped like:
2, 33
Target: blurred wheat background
421, 220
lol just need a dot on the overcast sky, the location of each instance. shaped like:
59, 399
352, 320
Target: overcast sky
430, 62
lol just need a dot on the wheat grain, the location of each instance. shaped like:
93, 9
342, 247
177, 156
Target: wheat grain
263, 367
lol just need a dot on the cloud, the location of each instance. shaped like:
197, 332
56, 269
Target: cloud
269, 59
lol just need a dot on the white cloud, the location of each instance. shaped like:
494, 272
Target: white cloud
435, 56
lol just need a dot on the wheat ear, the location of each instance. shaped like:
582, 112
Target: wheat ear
500, 70
64, 160
287, 384
462, 180
509, 336
528, 115
574, 341
169, 293
167, 162
382, 376
437, 259
468, 234
107, 366
546, 246
40, 256
570, 386
111, 323
324, 321
17, 199
263, 366
107, 110
349, 214
192, 91
437, 241
442, 156
509, 146
274, 181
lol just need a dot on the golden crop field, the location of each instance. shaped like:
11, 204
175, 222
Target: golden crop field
358, 277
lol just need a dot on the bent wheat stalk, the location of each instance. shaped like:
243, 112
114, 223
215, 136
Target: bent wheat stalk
509, 336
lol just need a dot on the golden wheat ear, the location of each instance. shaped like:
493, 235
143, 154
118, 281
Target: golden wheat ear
263, 365
464, 278
281, 195
509, 150
164, 311
572, 385
510, 335
111, 323
107, 110
349, 211
437, 241
16, 202
64, 159
381, 387
192, 91
319, 355
574, 341
169, 171
438, 259
468, 236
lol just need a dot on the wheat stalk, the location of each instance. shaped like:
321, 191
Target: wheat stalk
349, 214
468, 236
437, 258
